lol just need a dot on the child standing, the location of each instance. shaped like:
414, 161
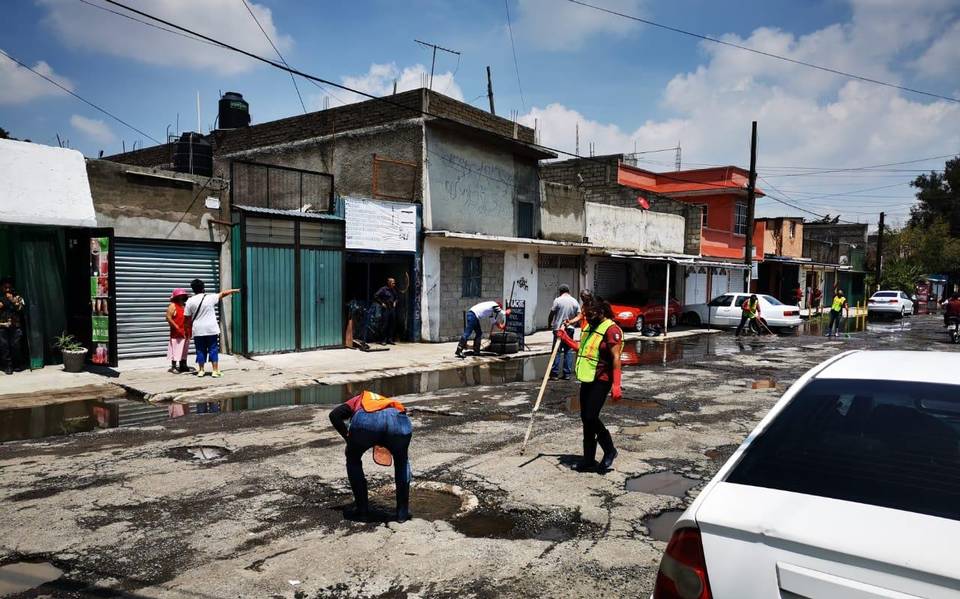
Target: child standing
179, 345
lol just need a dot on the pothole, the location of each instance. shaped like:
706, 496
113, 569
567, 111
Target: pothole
429, 500
661, 483
18, 577
573, 404
650, 427
200, 453
489, 524
660, 527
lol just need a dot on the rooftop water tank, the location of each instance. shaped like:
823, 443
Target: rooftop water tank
194, 155
233, 112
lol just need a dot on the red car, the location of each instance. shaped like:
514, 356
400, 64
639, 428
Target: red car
633, 309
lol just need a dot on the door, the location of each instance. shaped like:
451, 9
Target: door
721, 281
728, 310
320, 290
695, 289
269, 294
553, 271
147, 272
92, 292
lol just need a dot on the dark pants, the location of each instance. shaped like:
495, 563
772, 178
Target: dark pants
592, 397
754, 325
472, 328
388, 324
388, 428
9, 346
834, 327
564, 356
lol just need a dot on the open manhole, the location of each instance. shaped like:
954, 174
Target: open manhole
200, 453
661, 483
19, 577
660, 526
429, 500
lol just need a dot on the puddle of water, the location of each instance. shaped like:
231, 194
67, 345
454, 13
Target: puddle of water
23, 576
660, 527
817, 327
487, 525
764, 384
661, 483
208, 452
427, 504
650, 427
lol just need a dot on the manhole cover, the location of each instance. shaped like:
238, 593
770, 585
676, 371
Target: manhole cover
22, 576
661, 483
660, 526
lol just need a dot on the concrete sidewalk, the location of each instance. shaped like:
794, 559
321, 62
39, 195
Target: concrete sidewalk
148, 378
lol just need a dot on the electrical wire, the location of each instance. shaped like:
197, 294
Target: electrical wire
516, 63
148, 24
81, 98
275, 49
763, 53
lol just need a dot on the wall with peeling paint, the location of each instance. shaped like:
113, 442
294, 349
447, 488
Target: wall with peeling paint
635, 230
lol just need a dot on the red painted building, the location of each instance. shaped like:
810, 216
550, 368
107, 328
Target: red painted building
722, 194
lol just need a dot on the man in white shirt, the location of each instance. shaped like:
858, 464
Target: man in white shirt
565, 308
201, 311
483, 311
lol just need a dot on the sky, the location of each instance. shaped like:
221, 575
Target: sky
626, 86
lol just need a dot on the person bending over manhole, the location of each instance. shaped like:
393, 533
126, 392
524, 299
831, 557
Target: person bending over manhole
598, 370
375, 421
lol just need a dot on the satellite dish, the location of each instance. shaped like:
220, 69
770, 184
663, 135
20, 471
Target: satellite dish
643, 203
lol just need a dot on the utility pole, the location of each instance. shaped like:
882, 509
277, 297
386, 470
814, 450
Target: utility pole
880, 251
433, 62
493, 110
751, 200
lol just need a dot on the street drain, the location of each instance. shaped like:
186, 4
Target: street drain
23, 576
764, 384
660, 527
650, 427
661, 483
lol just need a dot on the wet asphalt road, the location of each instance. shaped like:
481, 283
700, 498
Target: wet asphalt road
140, 512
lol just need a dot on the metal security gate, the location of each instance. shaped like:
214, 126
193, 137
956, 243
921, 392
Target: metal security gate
554, 270
610, 278
146, 273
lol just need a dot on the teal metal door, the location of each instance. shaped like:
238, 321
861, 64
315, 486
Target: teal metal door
271, 313
321, 283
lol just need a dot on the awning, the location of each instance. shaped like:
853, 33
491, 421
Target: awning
43, 185
498, 239
805, 262
679, 259
287, 213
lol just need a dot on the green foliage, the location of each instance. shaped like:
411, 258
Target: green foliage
915, 251
66, 342
938, 198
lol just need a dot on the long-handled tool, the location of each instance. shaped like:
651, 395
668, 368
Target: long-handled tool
764, 325
543, 387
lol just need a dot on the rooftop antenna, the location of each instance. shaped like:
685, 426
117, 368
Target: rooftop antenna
678, 154
577, 142
394, 86
59, 141
199, 129
433, 62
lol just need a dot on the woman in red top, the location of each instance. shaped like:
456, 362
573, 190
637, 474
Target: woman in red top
179, 346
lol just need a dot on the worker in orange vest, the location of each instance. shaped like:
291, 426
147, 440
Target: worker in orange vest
375, 420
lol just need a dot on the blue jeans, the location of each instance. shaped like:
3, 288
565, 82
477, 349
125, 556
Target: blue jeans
207, 346
388, 428
472, 327
564, 356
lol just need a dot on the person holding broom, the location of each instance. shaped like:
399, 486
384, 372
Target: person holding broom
599, 371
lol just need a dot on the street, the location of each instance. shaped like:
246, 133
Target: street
249, 503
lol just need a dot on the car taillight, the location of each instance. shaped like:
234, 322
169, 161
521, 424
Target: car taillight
683, 569
893, 301
791, 313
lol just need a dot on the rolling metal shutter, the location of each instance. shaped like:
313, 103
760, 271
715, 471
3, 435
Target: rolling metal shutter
609, 278
146, 273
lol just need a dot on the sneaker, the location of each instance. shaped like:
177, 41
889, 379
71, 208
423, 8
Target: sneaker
200, 373
553, 377
172, 370
565, 377
216, 374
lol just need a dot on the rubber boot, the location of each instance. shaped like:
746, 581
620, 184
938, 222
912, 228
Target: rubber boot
361, 503
403, 501
589, 461
460, 347
183, 366
476, 346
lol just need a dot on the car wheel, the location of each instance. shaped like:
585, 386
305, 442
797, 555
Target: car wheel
691, 318
901, 312
672, 321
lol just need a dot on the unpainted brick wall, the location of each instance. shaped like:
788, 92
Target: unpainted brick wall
452, 303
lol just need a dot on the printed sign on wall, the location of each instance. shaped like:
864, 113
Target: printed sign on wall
379, 225
100, 298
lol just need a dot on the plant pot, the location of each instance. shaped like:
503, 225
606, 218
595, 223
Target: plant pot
73, 359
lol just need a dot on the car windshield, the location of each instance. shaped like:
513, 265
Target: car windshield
772, 300
885, 294
885, 443
723, 300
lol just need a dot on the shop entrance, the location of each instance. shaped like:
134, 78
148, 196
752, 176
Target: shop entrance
367, 272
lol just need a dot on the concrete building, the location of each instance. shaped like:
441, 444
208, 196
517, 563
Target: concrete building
781, 271
838, 251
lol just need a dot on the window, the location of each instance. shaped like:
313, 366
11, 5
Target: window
740, 219
772, 300
703, 214
472, 277
721, 301
885, 443
525, 219
793, 229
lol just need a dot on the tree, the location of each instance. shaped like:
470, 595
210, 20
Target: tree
938, 198
4, 134
915, 251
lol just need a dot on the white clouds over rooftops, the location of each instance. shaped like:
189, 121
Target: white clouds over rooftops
84, 27
378, 81
563, 26
18, 85
95, 129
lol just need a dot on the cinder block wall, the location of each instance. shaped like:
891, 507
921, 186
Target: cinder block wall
452, 302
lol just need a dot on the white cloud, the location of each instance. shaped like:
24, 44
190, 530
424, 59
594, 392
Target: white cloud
18, 85
943, 56
558, 25
95, 129
378, 81
805, 117
85, 27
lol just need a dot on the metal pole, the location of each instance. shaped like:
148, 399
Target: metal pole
666, 303
879, 265
432, 64
490, 91
751, 200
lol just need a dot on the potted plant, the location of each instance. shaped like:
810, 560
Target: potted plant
73, 352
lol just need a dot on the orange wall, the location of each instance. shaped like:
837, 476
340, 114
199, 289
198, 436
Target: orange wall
718, 239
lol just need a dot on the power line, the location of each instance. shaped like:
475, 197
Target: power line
516, 63
81, 98
148, 24
275, 49
763, 53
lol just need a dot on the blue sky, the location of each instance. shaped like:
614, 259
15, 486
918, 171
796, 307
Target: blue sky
622, 83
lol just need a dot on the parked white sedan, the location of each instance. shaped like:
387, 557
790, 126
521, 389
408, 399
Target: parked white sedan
724, 311
890, 302
848, 488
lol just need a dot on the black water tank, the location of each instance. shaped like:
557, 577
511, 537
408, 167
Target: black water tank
234, 111
194, 155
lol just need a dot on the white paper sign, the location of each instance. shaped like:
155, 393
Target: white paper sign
380, 225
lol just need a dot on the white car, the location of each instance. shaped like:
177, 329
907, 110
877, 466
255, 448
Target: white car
724, 311
848, 488
890, 302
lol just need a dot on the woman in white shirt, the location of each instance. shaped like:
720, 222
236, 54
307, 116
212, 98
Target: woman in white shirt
201, 310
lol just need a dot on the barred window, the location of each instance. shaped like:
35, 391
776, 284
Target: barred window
472, 277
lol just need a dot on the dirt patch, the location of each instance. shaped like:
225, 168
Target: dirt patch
59, 484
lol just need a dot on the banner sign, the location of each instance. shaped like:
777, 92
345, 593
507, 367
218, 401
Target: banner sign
379, 225
516, 318
100, 299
